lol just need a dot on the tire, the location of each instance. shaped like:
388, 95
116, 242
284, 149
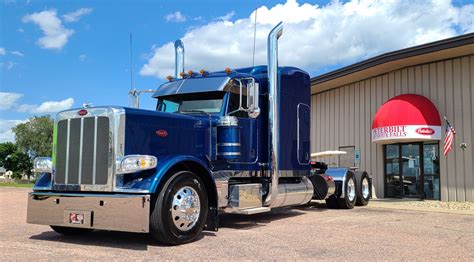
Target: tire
331, 203
363, 191
70, 230
167, 223
350, 196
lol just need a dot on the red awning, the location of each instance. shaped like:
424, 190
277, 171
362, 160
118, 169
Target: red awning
406, 117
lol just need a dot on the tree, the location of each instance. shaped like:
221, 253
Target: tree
19, 163
6, 149
11, 158
35, 137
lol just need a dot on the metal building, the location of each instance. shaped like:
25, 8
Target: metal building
388, 113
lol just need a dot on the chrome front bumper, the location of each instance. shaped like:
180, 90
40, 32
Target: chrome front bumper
119, 212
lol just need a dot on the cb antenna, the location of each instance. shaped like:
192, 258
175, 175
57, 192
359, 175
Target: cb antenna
254, 36
131, 62
134, 94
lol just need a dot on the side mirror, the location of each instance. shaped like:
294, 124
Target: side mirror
252, 99
252, 93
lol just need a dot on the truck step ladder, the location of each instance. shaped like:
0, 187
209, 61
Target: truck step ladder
251, 211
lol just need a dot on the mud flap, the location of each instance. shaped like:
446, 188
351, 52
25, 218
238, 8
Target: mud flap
212, 223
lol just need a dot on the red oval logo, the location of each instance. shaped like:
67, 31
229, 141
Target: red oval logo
425, 131
82, 112
161, 133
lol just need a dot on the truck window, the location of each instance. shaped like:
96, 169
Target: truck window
191, 103
234, 100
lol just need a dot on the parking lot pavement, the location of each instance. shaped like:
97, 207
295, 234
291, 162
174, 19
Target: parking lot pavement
305, 233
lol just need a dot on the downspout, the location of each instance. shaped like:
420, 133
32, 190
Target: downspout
273, 113
179, 58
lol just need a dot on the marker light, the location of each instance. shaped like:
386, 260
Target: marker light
203, 72
135, 163
170, 78
43, 165
190, 73
228, 70
182, 74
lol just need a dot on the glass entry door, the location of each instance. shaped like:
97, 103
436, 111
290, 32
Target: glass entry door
392, 171
412, 170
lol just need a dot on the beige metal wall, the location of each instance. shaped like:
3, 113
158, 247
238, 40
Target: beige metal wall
343, 117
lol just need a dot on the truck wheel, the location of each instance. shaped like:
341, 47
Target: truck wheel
363, 191
349, 199
180, 209
70, 230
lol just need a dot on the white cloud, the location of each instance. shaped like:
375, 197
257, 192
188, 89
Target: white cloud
47, 107
20, 30
82, 57
76, 15
9, 65
6, 133
2, 51
227, 16
175, 17
316, 36
17, 53
466, 17
8, 100
55, 34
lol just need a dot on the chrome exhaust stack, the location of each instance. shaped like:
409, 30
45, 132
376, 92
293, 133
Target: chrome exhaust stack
273, 117
280, 194
179, 58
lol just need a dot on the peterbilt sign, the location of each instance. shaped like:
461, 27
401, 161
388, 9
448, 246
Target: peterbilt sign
406, 133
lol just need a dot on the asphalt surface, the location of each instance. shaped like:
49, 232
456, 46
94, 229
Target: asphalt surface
306, 233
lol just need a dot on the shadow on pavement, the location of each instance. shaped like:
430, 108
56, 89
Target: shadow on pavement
313, 206
113, 239
244, 222
140, 241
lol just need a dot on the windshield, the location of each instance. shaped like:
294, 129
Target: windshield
210, 102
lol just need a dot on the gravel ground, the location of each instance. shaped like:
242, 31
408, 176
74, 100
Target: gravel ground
306, 233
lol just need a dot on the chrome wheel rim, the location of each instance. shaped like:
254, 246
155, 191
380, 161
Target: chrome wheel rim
365, 188
185, 208
351, 189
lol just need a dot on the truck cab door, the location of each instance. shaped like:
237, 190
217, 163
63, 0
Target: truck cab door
248, 131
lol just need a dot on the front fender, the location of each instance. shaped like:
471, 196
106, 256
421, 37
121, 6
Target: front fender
167, 163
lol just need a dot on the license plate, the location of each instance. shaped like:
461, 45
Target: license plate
76, 218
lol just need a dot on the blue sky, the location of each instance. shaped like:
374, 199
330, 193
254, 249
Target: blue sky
59, 54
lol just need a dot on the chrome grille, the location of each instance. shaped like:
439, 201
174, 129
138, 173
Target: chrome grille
82, 151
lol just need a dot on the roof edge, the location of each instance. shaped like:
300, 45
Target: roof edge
439, 45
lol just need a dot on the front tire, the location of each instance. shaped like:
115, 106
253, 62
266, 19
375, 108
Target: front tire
349, 199
180, 209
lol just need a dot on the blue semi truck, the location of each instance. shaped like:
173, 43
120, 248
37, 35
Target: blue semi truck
235, 141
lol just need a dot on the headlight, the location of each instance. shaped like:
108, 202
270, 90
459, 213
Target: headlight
43, 165
135, 163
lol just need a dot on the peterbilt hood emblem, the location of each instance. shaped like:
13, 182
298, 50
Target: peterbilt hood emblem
82, 112
161, 133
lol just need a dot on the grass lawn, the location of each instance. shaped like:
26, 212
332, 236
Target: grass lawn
15, 185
